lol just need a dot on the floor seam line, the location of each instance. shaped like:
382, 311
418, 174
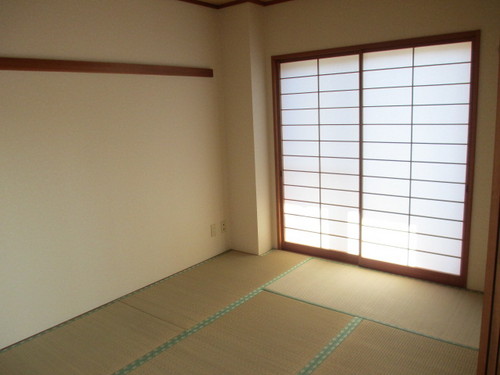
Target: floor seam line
374, 320
200, 325
98, 308
329, 348
357, 266
152, 315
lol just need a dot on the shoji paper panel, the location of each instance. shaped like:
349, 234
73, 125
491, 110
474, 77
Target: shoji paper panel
404, 119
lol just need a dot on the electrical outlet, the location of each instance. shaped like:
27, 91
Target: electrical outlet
223, 227
213, 230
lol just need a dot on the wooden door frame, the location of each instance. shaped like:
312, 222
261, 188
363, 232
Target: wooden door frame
425, 274
489, 361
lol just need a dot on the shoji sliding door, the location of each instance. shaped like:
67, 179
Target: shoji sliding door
374, 148
320, 153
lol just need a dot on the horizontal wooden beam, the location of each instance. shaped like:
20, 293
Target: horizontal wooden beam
76, 66
233, 2
202, 3
258, 2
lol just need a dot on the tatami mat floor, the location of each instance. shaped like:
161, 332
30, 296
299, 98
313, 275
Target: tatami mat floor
282, 313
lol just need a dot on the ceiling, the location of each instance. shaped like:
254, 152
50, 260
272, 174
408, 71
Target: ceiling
226, 3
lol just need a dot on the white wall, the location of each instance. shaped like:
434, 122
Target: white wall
264, 141
307, 25
111, 182
108, 182
238, 119
248, 143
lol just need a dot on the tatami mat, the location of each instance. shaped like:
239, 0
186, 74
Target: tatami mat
448, 313
269, 334
97, 344
375, 349
232, 315
210, 287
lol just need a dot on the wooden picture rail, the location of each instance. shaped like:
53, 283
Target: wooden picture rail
75, 66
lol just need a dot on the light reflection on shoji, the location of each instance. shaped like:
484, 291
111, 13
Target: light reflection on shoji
414, 150
300, 144
415, 125
339, 134
441, 117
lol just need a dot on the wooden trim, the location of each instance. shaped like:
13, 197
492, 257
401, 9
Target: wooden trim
322, 253
372, 47
277, 153
202, 3
471, 152
489, 361
361, 62
234, 2
417, 273
238, 2
273, 2
46, 65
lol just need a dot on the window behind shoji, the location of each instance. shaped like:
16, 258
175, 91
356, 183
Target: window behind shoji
375, 154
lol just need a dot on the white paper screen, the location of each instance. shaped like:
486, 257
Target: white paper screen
395, 135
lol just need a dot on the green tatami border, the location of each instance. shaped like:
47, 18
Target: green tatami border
94, 310
330, 347
168, 344
373, 320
